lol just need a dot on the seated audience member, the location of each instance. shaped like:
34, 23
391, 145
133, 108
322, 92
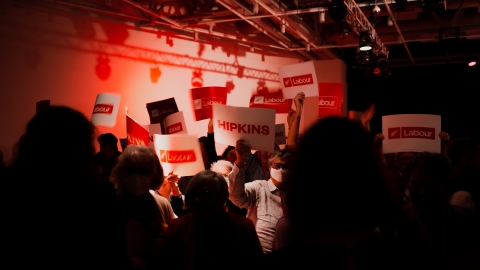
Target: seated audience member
55, 215
208, 237
340, 214
137, 173
435, 225
107, 157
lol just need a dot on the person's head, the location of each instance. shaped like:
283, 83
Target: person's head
279, 162
223, 167
229, 154
108, 144
336, 172
206, 194
403, 159
138, 170
430, 181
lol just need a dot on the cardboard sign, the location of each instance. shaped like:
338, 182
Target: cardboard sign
137, 133
276, 102
179, 153
299, 77
330, 99
106, 109
158, 110
204, 97
411, 133
255, 125
280, 135
175, 124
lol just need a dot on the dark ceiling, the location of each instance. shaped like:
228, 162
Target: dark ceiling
427, 32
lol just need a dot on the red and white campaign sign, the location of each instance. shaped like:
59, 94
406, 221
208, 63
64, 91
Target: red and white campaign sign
152, 130
299, 77
105, 109
330, 99
175, 123
203, 99
137, 134
179, 153
280, 135
255, 125
411, 133
274, 101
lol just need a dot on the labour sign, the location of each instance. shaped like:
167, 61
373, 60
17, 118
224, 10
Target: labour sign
179, 153
175, 123
203, 99
411, 133
137, 134
330, 99
299, 77
105, 109
277, 102
255, 125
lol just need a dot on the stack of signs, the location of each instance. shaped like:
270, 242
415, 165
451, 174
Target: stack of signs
106, 109
179, 153
137, 133
272, 101
254, 125
204, 97
411, 133
173, 124
158, 110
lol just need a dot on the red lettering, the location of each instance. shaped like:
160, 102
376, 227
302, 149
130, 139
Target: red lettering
233, 126
265, 130
177, 156
222, 124
241, 128
103, 108
256, 128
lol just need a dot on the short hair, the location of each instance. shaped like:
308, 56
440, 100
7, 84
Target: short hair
138, 159
221, 163
283, 154
109, 139
225, 152
220, 186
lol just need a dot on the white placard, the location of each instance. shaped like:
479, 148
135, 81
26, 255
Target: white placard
254, 125
280, 135
411, 133
106, 109
179, 153
152, 130
175, 123
299, 77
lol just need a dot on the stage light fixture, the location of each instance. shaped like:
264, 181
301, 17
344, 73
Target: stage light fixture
255, 8
308, 47
155, 74
389, 21
337, 10
472, 63
364, 41
283, 27
210, 28
321, 16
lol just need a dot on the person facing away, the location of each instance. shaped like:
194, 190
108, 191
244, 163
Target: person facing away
107, 157
208, 237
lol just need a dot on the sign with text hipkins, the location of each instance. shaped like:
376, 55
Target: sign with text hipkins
179, 153
411, 133
273, 101
204, 97
254, 125
280, 135
137, 134
175, 123
106, 109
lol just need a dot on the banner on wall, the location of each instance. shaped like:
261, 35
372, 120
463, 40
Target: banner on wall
137, 133
254, 125
411, 133
280, 135
204, 97
301, 77
179, 153
330, 99
105, 110
272, 101
158, 110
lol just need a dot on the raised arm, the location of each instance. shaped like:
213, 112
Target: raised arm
294, 120
241, 195
210, 144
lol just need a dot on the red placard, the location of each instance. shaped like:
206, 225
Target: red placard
136, 133
204, 97
330, 99
272, 101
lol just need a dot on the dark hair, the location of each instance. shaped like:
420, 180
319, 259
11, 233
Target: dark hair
109, 139
225, 152
458, 148
283, 155
221, 187
336, 163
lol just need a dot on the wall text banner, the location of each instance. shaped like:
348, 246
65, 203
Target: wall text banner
175, 123
137, 133
330, 99
299, 77
105, 110
280, 135
254, 125
272, 101
204, 97
179, 153
411, 133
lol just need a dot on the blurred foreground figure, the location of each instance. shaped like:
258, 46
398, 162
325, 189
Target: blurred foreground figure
56, 216
208, 237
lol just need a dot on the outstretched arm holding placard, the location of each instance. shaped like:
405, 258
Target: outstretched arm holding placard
294, 120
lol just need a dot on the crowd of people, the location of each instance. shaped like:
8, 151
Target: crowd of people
328, 200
